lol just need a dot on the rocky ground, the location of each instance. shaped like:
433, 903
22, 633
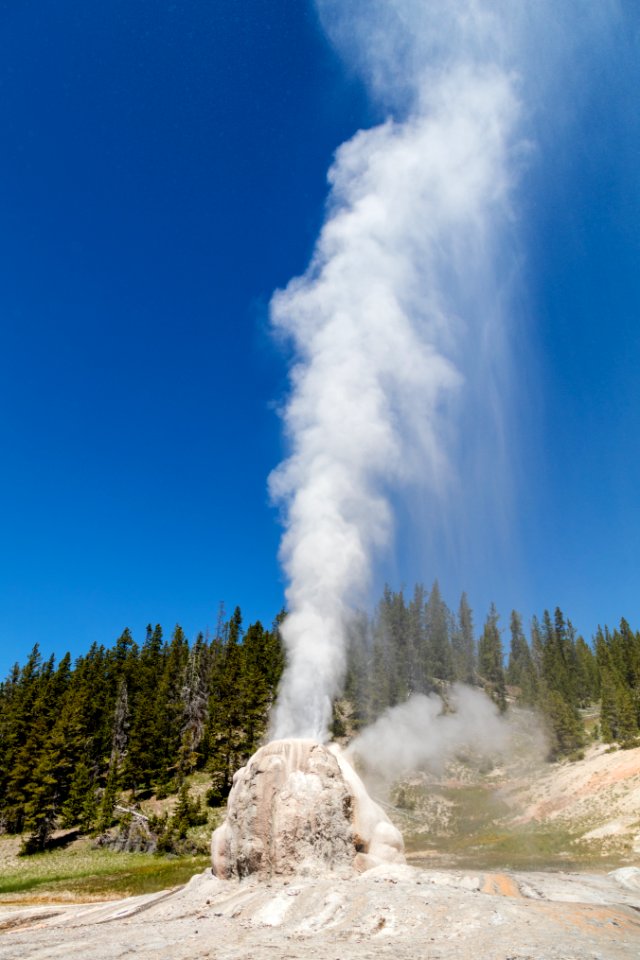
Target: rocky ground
394, 911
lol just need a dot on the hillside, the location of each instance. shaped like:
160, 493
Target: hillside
582, 814
597, 798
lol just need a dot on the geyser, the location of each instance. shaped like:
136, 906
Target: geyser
299, 807
397, 328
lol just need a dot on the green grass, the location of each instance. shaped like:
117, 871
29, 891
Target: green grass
477, 834
82, 872
530, 848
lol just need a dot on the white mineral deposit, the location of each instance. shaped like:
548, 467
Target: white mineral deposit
299, 807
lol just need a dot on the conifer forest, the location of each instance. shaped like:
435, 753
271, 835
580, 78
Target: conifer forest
137, 720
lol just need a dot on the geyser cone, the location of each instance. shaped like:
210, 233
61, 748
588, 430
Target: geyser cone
299, 807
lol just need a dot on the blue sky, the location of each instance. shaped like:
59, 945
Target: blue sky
163, 171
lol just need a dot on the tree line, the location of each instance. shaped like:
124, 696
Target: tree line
131, 718
416, 644
142, 718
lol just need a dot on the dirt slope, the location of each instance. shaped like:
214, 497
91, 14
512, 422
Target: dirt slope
598, 797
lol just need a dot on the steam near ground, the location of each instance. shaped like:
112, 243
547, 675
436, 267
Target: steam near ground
424, 734
402, 324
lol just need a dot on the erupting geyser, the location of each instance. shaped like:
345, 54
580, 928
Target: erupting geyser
398, 344
298, 807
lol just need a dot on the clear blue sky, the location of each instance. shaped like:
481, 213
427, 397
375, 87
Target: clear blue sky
162, 171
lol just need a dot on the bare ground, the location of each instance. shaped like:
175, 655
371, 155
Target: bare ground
399, 912
599, 795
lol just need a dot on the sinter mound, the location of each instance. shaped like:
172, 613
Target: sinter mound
298, 807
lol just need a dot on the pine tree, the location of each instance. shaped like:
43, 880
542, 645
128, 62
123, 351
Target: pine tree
392, 631
170, 709
439, 660
357, 680
564, 727
44, 761
380, 697
463, 644
119, 739
40, 809
587, 682
109, 795
608, 708
226, 703
24, 730
255, 687
627, 726
194, 697
120, 728
144, 760
537, 648
80, 807
416, 641
490, 659
618, 708
521, 671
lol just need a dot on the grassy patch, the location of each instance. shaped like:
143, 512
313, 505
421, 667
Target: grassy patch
83, 872
477, 834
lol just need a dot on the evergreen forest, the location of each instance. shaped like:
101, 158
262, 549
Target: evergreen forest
135, 720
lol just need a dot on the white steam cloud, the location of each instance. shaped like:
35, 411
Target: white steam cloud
402, 369
419, 734
388, 322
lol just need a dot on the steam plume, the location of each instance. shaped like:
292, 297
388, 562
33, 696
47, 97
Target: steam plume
391, 322
417, 733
